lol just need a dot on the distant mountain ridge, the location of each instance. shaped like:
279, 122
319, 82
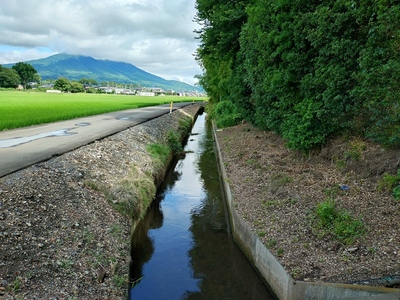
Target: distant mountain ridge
75, 67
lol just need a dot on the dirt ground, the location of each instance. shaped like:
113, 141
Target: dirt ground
277, 191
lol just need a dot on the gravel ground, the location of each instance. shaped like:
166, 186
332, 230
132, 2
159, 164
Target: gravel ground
60, 238
277, 191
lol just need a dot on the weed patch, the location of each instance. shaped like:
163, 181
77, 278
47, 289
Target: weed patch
340, 223
355, 150
174, 143
271, 243
184, 125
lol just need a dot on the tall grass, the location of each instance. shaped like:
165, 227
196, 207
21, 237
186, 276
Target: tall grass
20, 109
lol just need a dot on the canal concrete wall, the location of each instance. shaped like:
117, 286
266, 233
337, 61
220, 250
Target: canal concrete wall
279, 281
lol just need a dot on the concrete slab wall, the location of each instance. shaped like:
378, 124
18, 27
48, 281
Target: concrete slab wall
279, 281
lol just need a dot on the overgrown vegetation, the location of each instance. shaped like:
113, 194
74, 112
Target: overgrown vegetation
225, 114
331, 220
306, 70
174, 138
174, 142
159, 154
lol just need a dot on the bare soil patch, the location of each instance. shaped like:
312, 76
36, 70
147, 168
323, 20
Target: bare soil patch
277, 191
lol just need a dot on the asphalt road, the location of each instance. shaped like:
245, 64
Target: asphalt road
23, 147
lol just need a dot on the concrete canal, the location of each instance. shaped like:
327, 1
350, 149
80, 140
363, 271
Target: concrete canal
183, 248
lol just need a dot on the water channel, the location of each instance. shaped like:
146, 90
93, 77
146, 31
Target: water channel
183, 249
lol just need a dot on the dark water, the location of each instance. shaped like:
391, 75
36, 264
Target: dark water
183, 248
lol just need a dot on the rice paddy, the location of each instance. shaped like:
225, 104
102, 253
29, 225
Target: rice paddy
20, 109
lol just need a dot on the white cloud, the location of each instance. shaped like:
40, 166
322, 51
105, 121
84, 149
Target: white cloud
154, 35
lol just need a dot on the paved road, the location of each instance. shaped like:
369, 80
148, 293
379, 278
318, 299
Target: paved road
26, 146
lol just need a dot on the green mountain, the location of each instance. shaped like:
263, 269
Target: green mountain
75, 67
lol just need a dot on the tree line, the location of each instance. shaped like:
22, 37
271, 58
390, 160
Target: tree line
25, 74
308, 70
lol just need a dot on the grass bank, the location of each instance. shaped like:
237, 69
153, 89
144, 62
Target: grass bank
20, 109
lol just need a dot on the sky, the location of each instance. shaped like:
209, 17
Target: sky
154, 35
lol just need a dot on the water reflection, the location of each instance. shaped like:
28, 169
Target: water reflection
183, 249
142, 245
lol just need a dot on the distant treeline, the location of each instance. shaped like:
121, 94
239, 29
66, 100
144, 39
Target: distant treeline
308, 70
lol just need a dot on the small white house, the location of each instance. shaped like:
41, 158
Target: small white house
149, 94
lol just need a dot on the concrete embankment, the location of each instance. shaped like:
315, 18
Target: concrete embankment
276, 277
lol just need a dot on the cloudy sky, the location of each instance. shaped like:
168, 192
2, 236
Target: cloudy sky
154, 35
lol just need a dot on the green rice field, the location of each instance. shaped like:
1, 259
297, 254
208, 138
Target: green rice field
20, 109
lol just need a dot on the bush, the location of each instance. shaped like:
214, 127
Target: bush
225, 114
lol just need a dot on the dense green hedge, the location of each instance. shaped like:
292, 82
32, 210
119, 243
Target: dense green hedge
308, 70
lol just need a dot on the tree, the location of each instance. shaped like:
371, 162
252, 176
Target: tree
25, 71
221, 23
9, 78
36, 78
308, 70
76, 87
88, 81
62, 84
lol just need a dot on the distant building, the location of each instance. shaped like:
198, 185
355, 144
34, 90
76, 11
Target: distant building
149, 94
157, 90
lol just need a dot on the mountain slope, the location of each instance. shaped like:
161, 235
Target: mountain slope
75, 67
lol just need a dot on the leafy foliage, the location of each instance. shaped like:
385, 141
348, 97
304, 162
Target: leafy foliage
306, 70
76, 87
62, 84
9, 78
225, 113
25, 71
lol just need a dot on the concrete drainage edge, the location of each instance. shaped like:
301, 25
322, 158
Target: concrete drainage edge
278, 280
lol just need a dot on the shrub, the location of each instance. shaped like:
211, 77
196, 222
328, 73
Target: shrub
225, 114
